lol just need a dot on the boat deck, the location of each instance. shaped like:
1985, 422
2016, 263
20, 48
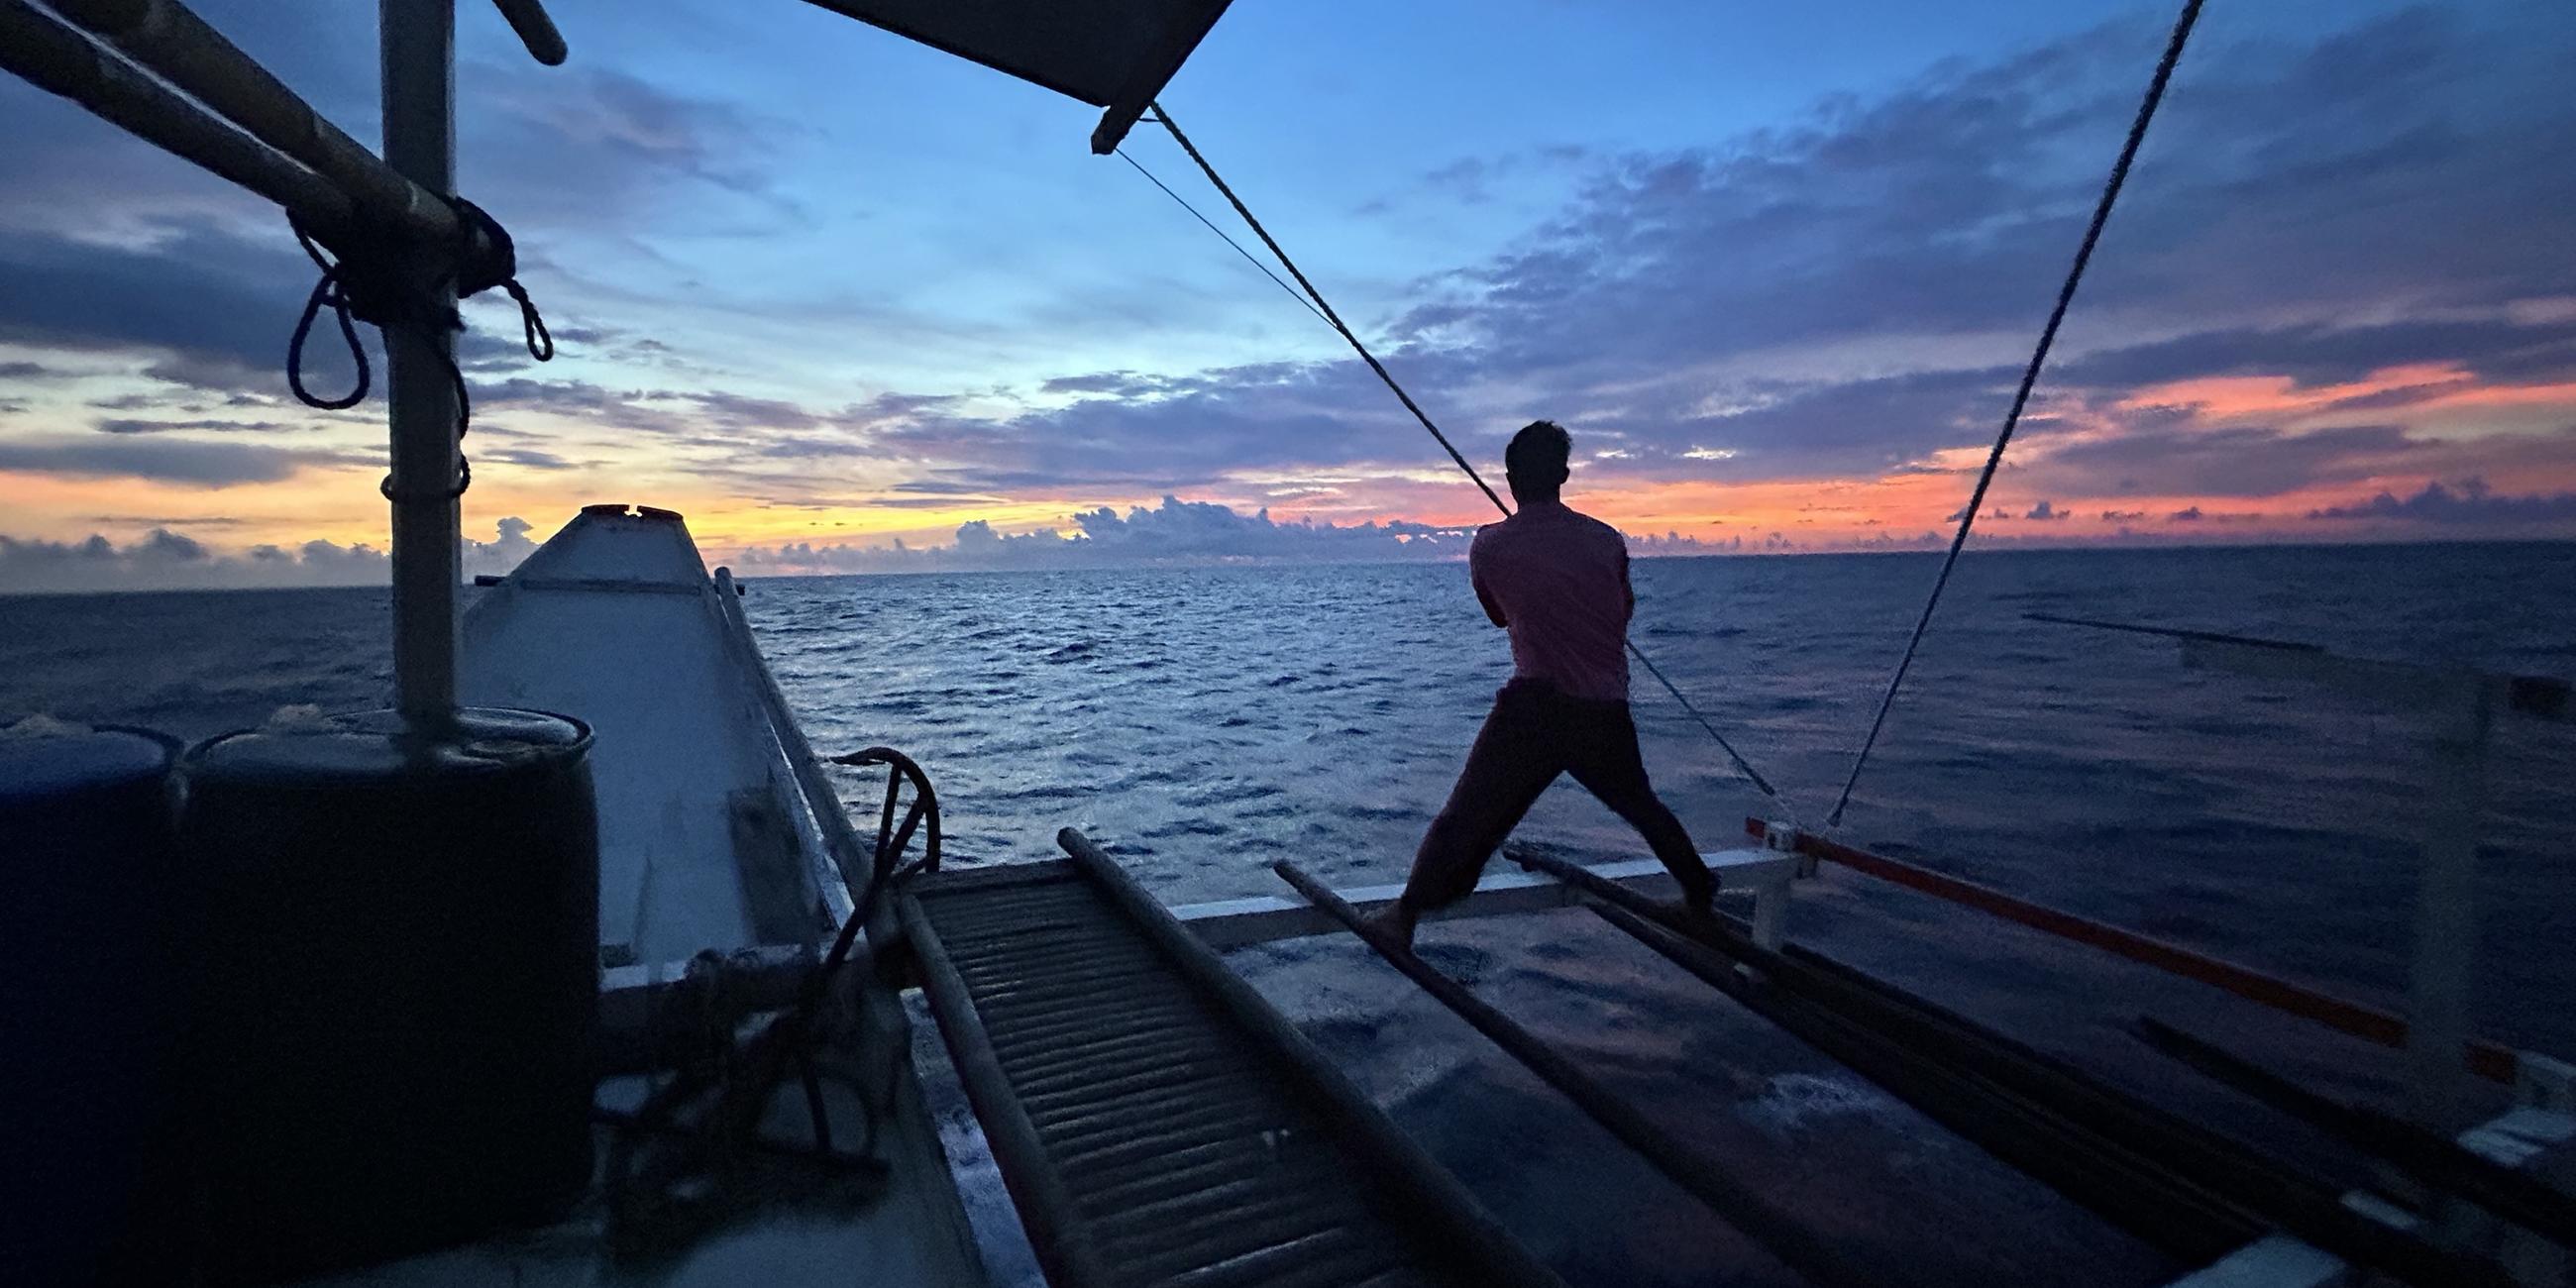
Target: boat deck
615, 622
1155, 1121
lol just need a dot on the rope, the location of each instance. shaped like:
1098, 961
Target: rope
364, 280
2029, 377
331, 291
1324, 309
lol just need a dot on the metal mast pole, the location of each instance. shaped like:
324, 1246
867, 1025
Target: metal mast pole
418, 43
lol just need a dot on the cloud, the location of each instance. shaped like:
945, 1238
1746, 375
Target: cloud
119, 425
2321, 353
509, 545
185, 462
1178, 532
1174, 532
1847, 294
2189, 460
2471, 504
214, 306
525, 457
2189, 514
1880, 262
161, 560
167, 521
164, 559
580, 144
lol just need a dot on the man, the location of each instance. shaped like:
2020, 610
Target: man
1558, 581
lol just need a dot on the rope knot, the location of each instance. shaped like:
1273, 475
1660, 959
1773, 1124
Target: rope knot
370, 275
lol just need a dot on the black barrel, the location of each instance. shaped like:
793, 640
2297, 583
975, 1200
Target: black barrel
397, 980
86, 1010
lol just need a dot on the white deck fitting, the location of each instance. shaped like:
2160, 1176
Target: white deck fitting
2276, 1261
1233, 923
614, 622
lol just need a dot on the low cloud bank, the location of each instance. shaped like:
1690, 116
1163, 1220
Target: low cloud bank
166, 560
2473, 502
1175, 532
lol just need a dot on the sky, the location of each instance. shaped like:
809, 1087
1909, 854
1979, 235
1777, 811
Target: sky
851, 304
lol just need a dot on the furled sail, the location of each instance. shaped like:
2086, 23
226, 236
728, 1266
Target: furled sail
1112, 54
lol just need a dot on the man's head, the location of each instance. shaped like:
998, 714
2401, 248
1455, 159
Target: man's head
1535, 463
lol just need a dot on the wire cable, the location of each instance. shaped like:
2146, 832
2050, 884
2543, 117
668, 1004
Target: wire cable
1324, 309
2029, 377
1248, 256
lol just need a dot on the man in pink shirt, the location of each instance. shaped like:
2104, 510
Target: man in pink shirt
1558, 581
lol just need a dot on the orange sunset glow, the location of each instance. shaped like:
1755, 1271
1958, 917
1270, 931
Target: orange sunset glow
1785, 326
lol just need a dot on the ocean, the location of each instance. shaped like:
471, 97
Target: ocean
1205, 722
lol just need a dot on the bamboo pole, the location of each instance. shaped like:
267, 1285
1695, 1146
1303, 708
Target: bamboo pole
1743, 1206
2436, 1159
45, 52
1442, 1211
2128, 1125
417, 43
2121, 1184
1058, 1234
536, 30
165, 37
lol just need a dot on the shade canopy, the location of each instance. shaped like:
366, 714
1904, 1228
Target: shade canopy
1112, 54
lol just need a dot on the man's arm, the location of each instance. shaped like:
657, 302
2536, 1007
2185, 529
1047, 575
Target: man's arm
1627, 587
1476, 577
1486, 597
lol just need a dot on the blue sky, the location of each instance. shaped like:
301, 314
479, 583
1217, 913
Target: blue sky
823, 288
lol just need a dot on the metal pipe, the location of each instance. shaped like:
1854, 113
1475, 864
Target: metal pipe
2486, 1059
1464, 1228
418, 46
1739, 1203
175, 44
53, 56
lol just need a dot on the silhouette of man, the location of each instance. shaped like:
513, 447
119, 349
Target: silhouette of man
1558, 581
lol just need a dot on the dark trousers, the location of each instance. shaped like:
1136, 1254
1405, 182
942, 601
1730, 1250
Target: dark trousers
1535, 733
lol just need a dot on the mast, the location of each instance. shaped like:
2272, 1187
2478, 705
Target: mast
418, 43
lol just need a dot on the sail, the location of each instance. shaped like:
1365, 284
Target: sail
1112, 54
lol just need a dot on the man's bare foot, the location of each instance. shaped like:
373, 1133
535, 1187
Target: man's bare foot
1395, 921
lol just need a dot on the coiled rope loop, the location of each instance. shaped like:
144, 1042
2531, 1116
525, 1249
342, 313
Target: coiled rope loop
367, 275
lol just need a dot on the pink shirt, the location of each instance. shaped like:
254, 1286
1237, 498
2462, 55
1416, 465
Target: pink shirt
1558, 581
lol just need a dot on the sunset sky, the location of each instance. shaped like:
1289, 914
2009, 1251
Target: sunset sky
1777, 267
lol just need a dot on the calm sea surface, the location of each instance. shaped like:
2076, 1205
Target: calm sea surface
1206, 722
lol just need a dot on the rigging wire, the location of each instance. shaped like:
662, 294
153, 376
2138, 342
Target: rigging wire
1248, 256
1323, 308
2029, 377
